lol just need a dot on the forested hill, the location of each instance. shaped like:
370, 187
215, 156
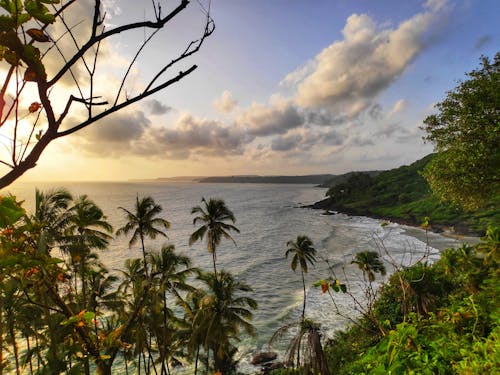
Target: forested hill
316, 179
403, 195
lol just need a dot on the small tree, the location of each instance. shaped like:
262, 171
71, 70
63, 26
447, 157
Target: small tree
466, 134
214, 216
302, 252
44, 41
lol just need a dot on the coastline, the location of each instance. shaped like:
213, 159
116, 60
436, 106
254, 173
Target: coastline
459, 230
412, 228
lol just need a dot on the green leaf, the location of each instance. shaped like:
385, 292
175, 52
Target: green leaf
5, 4
88, 316
15, 7
23, 18
10, 211
6, 23
39, 11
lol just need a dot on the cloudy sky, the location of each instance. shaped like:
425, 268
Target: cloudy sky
282, 87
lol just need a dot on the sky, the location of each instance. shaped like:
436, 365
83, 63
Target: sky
283, 87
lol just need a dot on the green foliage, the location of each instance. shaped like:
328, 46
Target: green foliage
403, 194
10, 211
466, 133
441, 319
75, 317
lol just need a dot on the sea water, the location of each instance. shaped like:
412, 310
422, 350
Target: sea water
268, 215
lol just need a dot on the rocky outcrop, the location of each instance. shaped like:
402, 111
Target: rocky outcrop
263, 357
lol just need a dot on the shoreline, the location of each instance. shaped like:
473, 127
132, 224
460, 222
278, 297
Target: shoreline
411, 228
446, 230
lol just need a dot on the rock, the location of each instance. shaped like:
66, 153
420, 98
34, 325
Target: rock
263, 357
269, 367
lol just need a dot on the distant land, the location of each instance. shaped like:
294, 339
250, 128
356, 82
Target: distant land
322, 180
316, 179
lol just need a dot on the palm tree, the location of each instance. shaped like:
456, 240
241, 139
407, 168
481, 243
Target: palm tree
307, 337
87, 230
50, 219
303, 253
213, 216
221, 315
169, 272
143, 222
369, 263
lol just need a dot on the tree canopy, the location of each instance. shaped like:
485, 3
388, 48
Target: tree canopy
466, 134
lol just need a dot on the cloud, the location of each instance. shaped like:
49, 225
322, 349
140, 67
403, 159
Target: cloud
483, 41
157, 108
398, 107
286, 143
375, 112
351, 72
261, 120
201, 136
298, 75
113, 135
225, 103
133, 134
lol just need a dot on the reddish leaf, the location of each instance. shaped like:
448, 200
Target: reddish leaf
34, 107
38, 35
30, 75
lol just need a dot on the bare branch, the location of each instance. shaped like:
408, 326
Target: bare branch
126, 103
93, 40
209, 29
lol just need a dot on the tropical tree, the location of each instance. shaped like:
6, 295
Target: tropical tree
222, 314
87, 230
213, 216
303, 253
169, 272
369, 263
143, 221
50, 219
306, 341
466, 135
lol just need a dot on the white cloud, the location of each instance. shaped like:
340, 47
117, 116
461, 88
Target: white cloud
225, 103
351, 72
398, 107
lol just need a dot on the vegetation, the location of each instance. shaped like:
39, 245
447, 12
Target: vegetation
466, 134
214, 215
74, 316
440, 319
302, 252
402, 194
47, 51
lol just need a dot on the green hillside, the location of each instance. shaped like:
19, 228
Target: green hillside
402, 194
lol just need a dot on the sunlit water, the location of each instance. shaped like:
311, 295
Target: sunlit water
268, 215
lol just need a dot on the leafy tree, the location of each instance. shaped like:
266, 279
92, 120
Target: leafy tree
144, 223
48, 48
466, 134
302, 252
213, 216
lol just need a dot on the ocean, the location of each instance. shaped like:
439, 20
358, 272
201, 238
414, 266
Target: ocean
268, 215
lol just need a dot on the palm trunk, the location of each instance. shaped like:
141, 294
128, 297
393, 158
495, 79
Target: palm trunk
144, 255
126, 363
1, 334
29, 351
14, 346
196, 360
304, 287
